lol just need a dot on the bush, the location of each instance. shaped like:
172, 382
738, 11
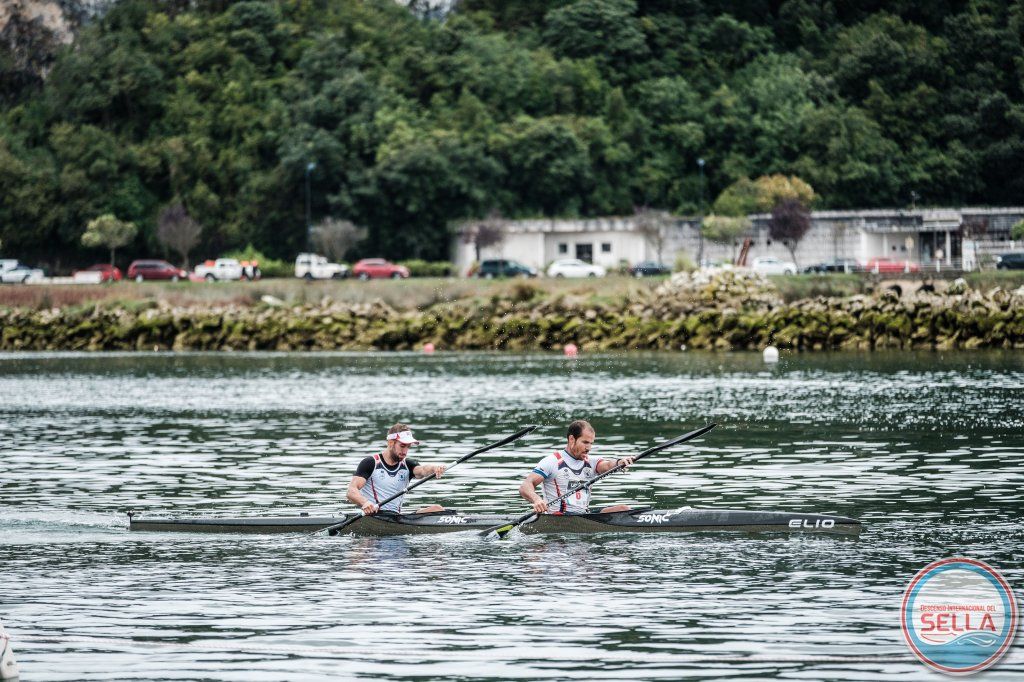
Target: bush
269, 267
684, 264
522, 292
833, 285
1017, 231
422, 268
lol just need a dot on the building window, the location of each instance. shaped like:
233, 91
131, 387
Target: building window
563, 249
606, 247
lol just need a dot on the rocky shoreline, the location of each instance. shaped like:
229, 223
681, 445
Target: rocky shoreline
729, 310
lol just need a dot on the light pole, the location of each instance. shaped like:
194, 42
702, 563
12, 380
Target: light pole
700, 218
309, 221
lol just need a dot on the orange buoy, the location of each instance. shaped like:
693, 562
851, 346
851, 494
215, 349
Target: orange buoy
571, 350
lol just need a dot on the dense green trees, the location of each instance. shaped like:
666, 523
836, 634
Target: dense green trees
524, 108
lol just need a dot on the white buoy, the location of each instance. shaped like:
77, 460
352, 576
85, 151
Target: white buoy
8, 666
771, 354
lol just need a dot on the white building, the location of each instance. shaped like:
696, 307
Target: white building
925, 236
603, 241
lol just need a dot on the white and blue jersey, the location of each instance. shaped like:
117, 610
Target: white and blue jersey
561, 471
383, 481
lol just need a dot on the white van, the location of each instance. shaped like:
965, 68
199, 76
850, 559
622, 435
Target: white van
313, 266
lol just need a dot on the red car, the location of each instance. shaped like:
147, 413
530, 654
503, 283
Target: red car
155, 269
378, 268
98, 274
887, 265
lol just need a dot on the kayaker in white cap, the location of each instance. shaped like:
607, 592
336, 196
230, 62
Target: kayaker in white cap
380, 476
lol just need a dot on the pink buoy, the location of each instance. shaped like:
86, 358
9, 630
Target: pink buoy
428, 348
571, 350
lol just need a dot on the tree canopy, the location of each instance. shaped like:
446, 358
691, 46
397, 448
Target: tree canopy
417, 121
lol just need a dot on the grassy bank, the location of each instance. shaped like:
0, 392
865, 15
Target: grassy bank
422, 293
403, 295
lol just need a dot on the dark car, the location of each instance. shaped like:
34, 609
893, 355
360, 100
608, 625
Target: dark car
504, 268
649, 268
155, 269
835, 265
1010, 261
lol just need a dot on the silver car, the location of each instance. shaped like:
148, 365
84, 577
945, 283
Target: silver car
573, 267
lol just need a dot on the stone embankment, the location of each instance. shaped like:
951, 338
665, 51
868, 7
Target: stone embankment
727, 310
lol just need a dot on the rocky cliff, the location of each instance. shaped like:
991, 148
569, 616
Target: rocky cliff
31, 31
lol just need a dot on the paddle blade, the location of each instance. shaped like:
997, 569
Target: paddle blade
497, 532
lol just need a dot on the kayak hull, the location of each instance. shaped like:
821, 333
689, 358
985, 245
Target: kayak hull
633, 521
245, 524
384, 524
693, 520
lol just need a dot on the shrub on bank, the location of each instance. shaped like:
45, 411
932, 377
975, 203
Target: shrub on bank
832, 285
422, 268
269, 267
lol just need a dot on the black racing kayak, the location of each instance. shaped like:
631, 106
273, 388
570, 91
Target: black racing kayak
687, 519
637, 520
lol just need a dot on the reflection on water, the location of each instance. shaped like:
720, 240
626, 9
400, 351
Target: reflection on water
926, 449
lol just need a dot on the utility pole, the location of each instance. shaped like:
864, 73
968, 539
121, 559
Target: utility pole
309, 221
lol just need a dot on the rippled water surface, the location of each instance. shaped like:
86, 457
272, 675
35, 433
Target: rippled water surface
927, 450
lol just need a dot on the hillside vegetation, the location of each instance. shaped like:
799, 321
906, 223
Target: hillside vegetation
521, 108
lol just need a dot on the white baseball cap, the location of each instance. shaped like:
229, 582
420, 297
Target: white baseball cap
404, 437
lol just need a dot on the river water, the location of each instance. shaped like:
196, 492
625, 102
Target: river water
926, 449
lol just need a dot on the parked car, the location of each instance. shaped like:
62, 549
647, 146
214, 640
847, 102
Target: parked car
888, 265
145, 269
769, 265
573, 267
97, 274
314, 266
21, 274
1010, 261
835, 265
504, 268
223, 269
649, 268
378, 268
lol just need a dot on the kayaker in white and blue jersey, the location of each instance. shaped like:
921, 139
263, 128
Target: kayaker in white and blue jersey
380, 476
560, 471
